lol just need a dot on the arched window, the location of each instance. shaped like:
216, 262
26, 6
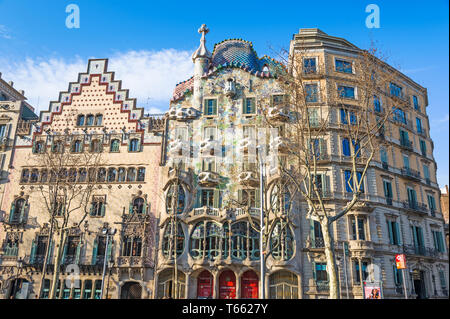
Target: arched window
141, 174
131, 174
25, 176
138, 206
96, 146
280, 198
80, 120
82, 174
197, 241
170, 237
34, 176
171, 193
17, 212
206, 244
283, 285
244, 241
90, 120
98, 120
134, 145
77, 146
114, 147
101, 175
112, 173
122, 175
282, 241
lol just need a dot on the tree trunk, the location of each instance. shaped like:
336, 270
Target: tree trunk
57, 264
331, 262
47, 252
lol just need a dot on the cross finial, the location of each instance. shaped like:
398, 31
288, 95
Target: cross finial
203, 29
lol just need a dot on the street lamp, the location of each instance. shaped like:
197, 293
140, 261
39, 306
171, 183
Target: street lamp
261, 223
108, 231
19, 265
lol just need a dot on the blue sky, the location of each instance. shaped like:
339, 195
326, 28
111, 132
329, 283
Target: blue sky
150, 43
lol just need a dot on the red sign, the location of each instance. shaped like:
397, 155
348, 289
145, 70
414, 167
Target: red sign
249, 284
205, 285
227, 285
400, 261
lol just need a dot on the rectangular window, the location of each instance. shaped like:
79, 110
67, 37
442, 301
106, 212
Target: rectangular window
376, 103
387, 189
207, 197
442, 279
438, 241
398, 279
311, 92
208, 165
394, 232
313, 117
406, 161
364, 271
343, 66
210, 107
309, 65
423, 147
277, 100
431, 203
2, 130
426, 172
321, 272
383, 155
415, 102
419, 125
358, 228
348, 176
396, 90
399, 115
209, 133
249, 105
347, 92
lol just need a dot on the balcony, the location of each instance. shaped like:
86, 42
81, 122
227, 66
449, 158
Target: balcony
16, 218
389, 201
248, 178
278, 113
406, 144
403, 122
410, 173
176, 148
280, 144
415, 206
322, 157
323, 194
241, 212
420, 251
130, 261
23, 127
428, 181
322, 286
10, 252
422, 133
385, 165
360, 245
318, 243
246, 144
207, 147
206, 211
208, 179
181, 114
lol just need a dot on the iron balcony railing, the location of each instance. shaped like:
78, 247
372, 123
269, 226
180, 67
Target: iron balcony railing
385, 165
389, 201
10, 251
322, 285
407, 144
408, 172
318, 242
412, 205
420, 250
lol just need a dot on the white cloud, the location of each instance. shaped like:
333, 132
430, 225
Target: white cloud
4, 32
150, 76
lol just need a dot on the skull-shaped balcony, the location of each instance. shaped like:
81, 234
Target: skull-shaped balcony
280, 144
278, 113
247, 144
176, 148
181, 114
208, 179
249, 178
230, 88
208, 146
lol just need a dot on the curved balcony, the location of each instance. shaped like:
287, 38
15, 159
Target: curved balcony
185, 114
278, 113
208, 179
246, 144
172, 113
207, 147
415, 206
206, 211
281, 144
411, 174
175, 148
248, 178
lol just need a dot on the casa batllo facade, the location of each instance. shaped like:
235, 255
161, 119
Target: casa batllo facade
182, 190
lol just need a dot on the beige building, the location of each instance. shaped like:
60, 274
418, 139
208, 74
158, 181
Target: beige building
94, 116
444, 206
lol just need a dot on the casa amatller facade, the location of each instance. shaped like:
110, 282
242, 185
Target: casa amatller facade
164, 217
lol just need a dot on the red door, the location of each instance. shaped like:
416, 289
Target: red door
227, 285
205, 285
249, 285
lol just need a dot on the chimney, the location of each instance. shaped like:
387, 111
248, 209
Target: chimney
11, 83
0, 75
22, 92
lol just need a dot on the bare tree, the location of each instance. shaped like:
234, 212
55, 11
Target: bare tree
68, 173
312, 115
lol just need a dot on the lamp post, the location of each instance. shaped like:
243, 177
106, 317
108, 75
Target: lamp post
108, 231
110, 265
261, 223
19, 265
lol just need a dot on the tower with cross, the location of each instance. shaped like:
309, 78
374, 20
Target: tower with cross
201, 58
